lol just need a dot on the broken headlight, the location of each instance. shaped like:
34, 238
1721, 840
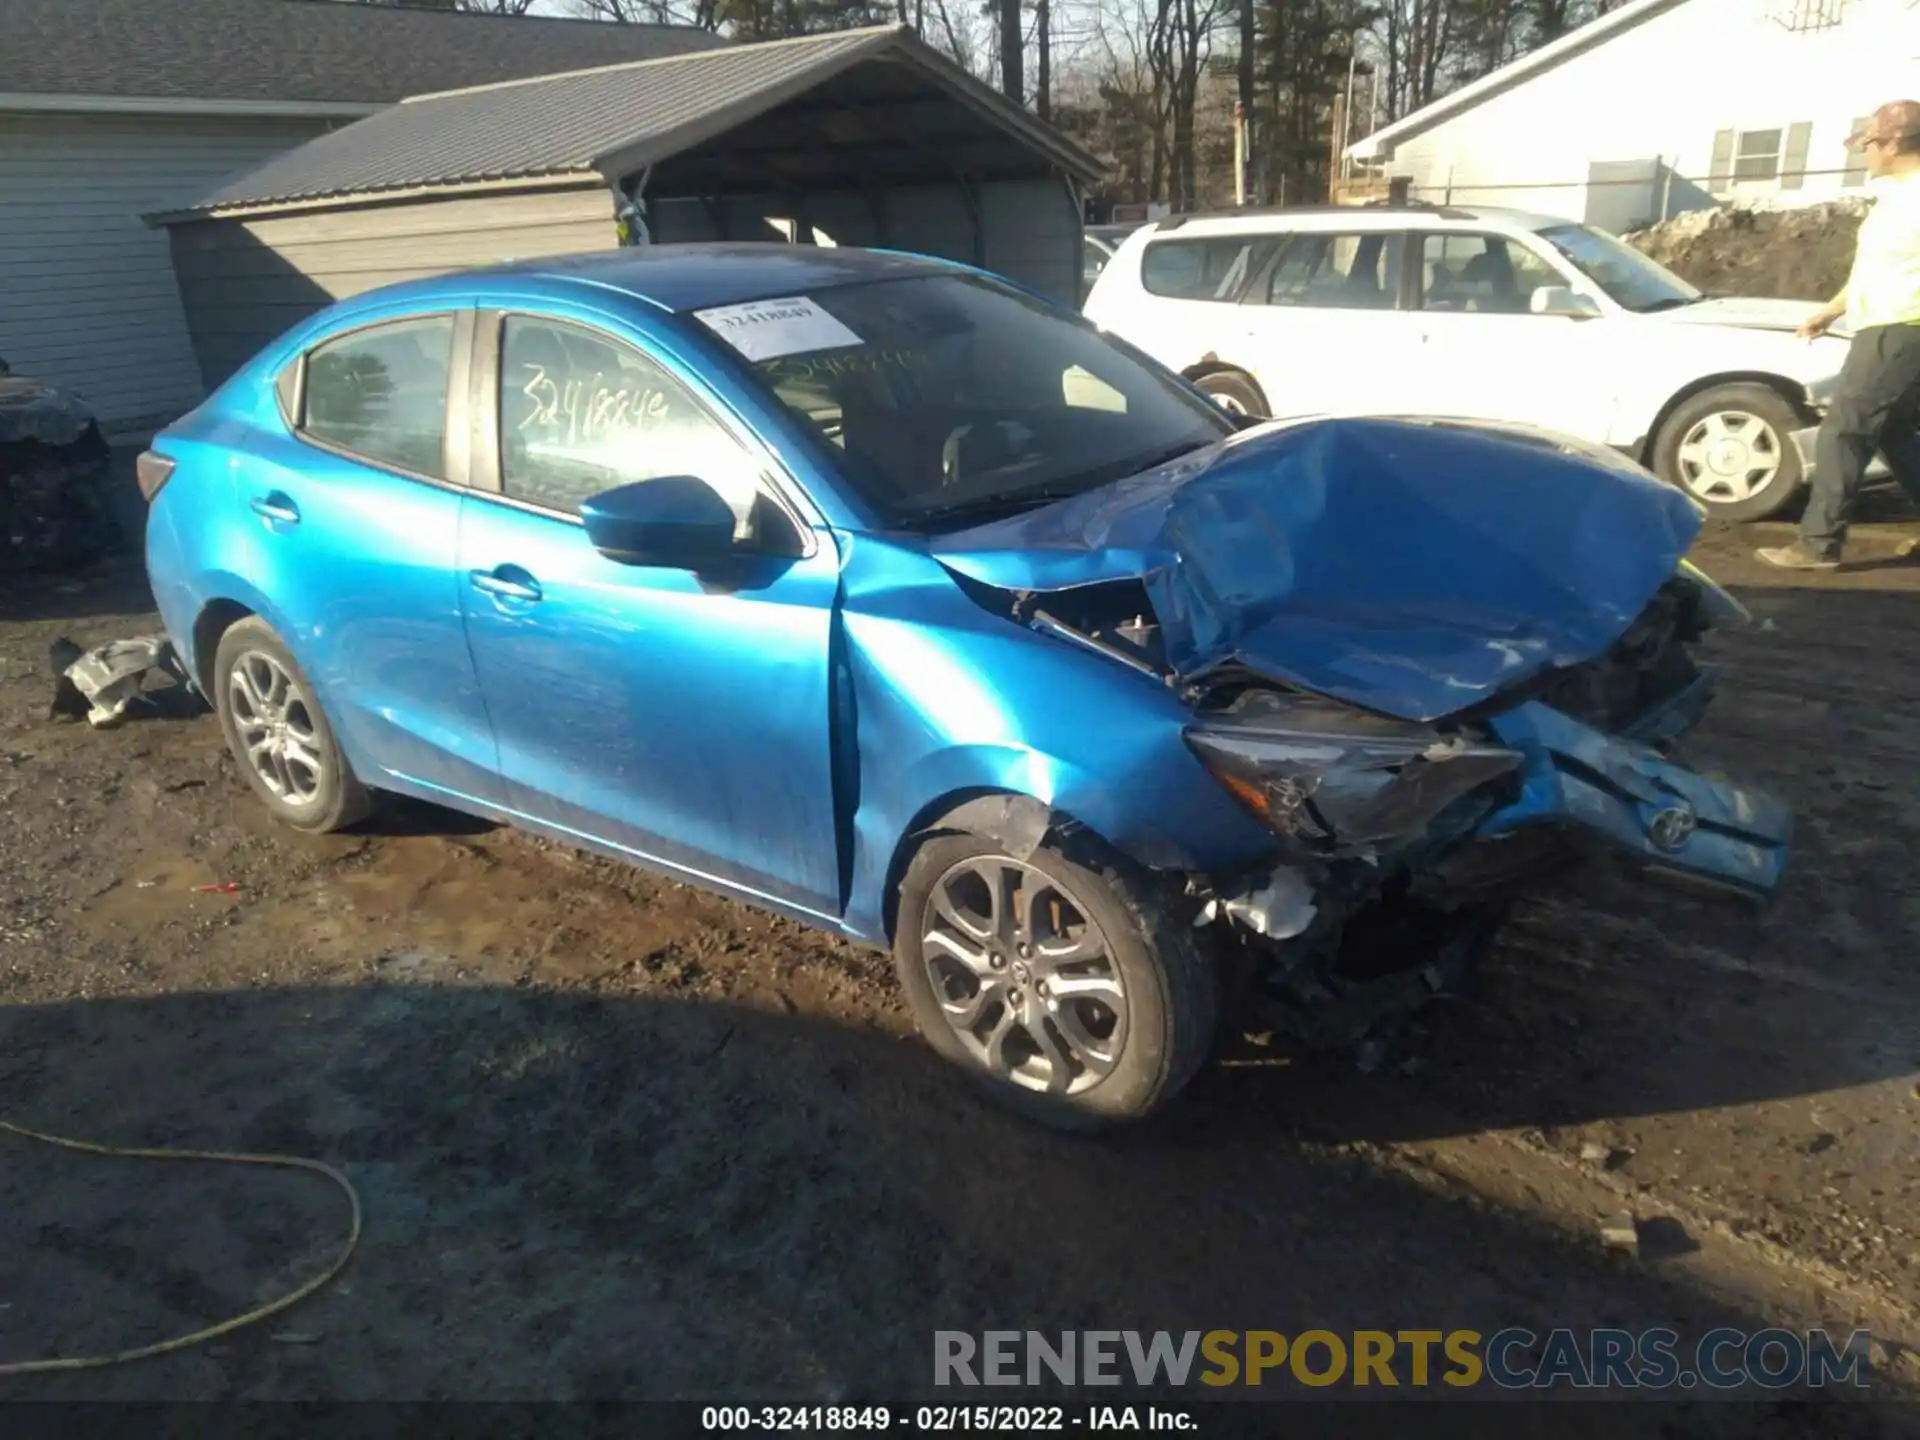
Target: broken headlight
1337, 779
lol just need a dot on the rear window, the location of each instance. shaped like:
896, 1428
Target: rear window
1215, 267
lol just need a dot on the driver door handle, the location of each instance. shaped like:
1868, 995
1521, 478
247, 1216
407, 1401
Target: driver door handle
505, 582
275, 506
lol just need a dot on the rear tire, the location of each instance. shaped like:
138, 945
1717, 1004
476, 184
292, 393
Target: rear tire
1727, 447
1236, 392
278, 733
1081, 1001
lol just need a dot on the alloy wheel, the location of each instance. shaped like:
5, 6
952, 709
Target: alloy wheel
1024, 975
1729, 456
276, 729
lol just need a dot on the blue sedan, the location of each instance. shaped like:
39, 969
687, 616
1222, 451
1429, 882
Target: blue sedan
877, 591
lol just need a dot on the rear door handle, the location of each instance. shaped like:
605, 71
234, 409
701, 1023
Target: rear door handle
505, 582
275, 506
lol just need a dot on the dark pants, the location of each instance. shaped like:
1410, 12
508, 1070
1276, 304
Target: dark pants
1875, 406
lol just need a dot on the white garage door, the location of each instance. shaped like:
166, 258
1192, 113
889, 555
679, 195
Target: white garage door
87, 296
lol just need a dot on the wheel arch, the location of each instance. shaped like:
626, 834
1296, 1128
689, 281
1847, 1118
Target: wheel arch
1213, 365
1022, 823
1012, 817
216, 617
1789, 390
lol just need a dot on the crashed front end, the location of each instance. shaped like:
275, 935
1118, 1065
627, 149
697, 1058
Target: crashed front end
1401, 843
1424, 735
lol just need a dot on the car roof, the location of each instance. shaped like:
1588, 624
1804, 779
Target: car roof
1353, 217
694, 276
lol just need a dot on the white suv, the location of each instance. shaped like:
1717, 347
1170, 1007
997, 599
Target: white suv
1484, 314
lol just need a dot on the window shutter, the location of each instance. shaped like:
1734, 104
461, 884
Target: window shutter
1720, 172
1856, 171
1793, 169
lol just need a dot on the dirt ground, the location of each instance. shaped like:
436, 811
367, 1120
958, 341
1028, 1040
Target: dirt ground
1802, 253
618, 1138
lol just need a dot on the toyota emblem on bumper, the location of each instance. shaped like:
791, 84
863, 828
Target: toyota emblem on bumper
1672, 827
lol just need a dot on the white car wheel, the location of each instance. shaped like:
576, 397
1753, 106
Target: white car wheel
1729, 448
1730, 456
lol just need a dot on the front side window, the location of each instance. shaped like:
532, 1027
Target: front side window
1480, 275
1210, 268
1631, 279
1334, 271
944, 399
380, 394
581, 413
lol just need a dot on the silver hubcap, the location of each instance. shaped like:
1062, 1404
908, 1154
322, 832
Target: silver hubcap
1228, 403
1729, 456
1024, 977
275, 724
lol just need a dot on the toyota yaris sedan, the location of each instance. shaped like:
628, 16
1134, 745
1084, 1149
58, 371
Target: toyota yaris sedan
877, 591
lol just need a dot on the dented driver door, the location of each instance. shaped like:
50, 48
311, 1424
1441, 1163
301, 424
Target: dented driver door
678, 717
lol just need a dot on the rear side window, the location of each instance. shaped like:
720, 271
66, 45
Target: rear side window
380, 394
1335, 271
1211, 268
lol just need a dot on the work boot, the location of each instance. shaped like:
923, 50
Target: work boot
1800, 556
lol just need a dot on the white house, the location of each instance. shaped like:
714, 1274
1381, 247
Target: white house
114, 108
1663, 106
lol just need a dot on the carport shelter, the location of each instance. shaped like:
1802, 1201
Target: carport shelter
866, 137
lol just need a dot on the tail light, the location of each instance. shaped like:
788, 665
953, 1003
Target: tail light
152, 470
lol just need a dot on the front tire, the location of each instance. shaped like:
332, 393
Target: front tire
1061, 980
1728, 448
278, 733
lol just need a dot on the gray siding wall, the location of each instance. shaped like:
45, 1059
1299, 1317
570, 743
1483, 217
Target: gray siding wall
87, 297
244, 282
1030, 229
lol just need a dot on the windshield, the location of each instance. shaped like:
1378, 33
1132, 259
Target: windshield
947, 399
1632, 280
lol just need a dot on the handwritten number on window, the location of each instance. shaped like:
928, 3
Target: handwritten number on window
576, 411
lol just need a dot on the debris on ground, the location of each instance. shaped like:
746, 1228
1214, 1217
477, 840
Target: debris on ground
1802, 253
1618, 1232
101, 683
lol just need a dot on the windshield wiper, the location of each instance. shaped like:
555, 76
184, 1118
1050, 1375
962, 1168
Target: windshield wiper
1670, 302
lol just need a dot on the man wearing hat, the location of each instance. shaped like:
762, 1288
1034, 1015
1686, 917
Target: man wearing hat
1876, 404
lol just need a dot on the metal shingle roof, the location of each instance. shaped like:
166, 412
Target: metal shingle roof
572, 124
298, 50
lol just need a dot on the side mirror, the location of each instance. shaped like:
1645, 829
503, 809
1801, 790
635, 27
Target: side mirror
677, 522
1564, 301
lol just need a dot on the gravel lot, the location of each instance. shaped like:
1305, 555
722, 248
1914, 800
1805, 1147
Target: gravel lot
618, 1138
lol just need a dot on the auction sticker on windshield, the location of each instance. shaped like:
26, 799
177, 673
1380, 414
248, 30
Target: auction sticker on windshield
768, 329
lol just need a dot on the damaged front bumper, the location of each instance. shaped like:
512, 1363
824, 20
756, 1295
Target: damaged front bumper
1346, 949
1667, 820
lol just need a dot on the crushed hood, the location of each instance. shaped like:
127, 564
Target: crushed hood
1412, 569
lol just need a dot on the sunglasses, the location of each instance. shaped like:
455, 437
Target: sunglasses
1871, 142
